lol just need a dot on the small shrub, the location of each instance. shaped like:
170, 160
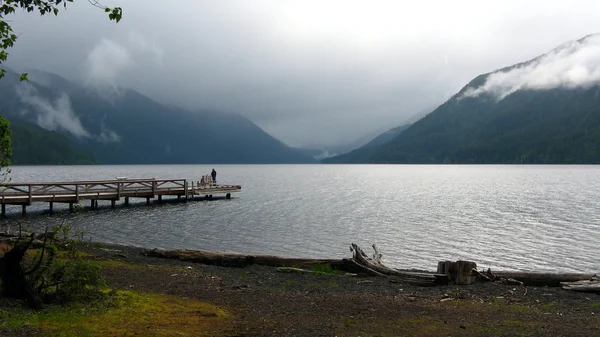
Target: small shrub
43, 277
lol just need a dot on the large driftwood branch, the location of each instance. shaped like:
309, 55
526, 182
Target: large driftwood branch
374, 263
359, 264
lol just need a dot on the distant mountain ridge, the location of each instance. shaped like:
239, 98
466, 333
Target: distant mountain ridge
33, 145
511, 115
122, 126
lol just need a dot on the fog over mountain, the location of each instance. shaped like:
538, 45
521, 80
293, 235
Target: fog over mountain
571, 65
542, 111
308, 72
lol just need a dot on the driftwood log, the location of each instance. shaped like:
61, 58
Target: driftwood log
374, 264
360, 264
459, 272
543, 279
539, 279
239, 260
589, 286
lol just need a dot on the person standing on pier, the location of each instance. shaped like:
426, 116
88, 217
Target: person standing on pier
213, 174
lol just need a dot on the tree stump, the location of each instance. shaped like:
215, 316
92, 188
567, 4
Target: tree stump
459, 272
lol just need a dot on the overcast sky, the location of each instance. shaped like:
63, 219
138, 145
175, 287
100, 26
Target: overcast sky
308, 72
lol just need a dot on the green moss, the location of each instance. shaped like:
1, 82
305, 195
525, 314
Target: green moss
114, 264
130, 313
325, 268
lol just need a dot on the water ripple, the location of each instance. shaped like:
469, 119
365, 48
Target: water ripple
509, 217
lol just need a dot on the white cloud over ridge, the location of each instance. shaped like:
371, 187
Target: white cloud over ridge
107, 135
52, 115
572, 65
110, 58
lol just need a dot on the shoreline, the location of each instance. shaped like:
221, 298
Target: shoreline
262, 301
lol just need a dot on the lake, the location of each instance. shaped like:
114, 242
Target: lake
514, 217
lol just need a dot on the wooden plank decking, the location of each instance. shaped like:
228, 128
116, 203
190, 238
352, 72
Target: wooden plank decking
73, 192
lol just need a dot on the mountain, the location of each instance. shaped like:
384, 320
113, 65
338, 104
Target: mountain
33, 145
321, 152
385, 137
358, 155
545, 110
122, 126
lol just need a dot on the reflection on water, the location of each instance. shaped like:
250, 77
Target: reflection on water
509, 217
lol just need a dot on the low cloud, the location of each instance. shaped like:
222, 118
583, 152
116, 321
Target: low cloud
52, 115
105, 61
109, 58
572, 65
108, 136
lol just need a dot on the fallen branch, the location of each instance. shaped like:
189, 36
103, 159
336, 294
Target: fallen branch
591, 286
238, 260
304, 271
374, 263
542, 279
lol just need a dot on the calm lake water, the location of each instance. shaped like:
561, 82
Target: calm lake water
503, 217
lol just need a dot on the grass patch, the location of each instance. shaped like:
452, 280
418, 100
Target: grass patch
548, 307
128, 313
97, 245
325, 268
421, 326
112, 264
350, 322
519, 308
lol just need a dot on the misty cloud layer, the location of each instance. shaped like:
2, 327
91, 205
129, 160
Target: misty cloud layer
109, 59
52, 115
574, 64
308, 72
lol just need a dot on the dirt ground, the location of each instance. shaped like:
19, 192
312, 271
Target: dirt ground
265, 302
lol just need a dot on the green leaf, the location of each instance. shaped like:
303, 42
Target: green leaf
23, 77
107, 9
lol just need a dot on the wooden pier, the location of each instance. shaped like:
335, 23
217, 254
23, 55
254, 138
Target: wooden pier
74, 192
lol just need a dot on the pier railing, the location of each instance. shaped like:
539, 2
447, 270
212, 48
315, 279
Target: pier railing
74, 191
86, 189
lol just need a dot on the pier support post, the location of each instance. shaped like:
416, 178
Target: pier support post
126, 201
24, 211
70, 207
92, 204
51, 206
112, 203
228, 196
147, 201
185, 189
160, 197
3, 210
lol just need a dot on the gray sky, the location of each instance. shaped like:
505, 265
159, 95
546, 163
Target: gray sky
308, 72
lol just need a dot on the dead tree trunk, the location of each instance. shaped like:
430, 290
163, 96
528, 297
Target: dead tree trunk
374, 263
14, 282
459, 272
